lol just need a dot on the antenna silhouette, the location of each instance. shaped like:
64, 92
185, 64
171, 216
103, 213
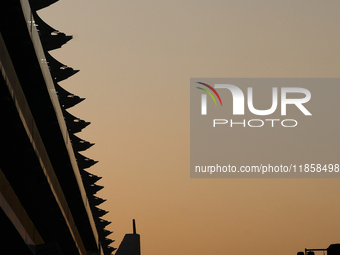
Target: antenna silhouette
131, 243
134, 226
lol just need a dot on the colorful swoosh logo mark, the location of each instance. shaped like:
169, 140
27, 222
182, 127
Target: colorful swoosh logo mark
207, 91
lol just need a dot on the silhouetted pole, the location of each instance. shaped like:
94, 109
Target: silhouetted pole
130, 244
134, 226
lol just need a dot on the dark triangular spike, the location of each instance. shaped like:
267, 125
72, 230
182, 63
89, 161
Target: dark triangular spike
66, 98
97, 201
68, 102
88, 178
77, 127
107, 241
74, 124
104, 232
63, 73
42, 26
93, 189
79, 144
54, 41
111, 249
69, 117
84, 162
61, 91
88, 163
52, 62
99, 212
103, 223
81, 157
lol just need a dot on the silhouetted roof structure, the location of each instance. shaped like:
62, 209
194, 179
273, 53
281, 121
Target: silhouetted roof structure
41, 161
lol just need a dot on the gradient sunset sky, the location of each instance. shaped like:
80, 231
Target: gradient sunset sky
136, 59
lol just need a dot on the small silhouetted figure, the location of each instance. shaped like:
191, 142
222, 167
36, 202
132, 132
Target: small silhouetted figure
130, 244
